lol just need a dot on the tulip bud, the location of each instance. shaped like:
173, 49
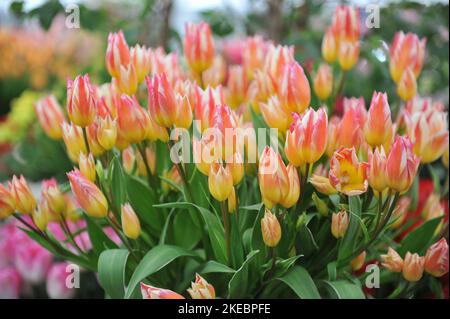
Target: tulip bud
130, 222
133, 120
322, 184
129, 160
306, 140
377, 169
400, 211
117, 53
220, 181
358, 261
71, 211
379, 124
50, 116
274, 115
278, 57
127, 81
198, 46
329, 46
407, 87
201, 289
150, 292
107, 133
254, 54
81, 102
270, 229
294, 92
392, 261
183, 118
236, 165
6, 202
141, 60
293, 194
321, 206
401, 165
88, 195
339, 224
87, 166
348, 54
173, 176
21, 193
347, 174
237, 84
232, 201
162, 102
323, 82
413, 267
215, 75
53, 195
74, 140
436, 259
40, 218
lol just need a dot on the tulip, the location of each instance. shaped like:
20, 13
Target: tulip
406, 51
277, 58
294, 91
379, 124
306, 140
133, 120
10, 282
231, 200
236, 164
161, 100
323, 82
184, 112
206, 104
436, 259
92, 133
107, 132
260, 90
254, 54
86, 163
50, 116
346, 23
198, 46
201, 289
215, 75
432, 208
322, 184
270, 229
358, 261
349, 131
400, 211
392, 261
377, 169
413, 267
130, 222
56, 282
150, 292
171, 175
347, 174
6, 202
200, 163
127, 80
32, 261
428, 132
401, 165
329, 46
348, 54
54, 196
339, 224
291, 198
43, 215
117, 53
237, 85
141, 60
88, 195
407, 87
220, 181
21, 193
81, 103
274, 115
74, 140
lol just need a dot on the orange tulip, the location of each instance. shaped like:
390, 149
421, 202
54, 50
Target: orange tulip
254, 54
201, 289
323, 82
53, 196
377, 169
358, 261
274, 115
117, 53
198, 46
87, 166
127, 80
294, 91
81, 103
107, 132
436, 259
400, 212
346, 23
24, 200
330, 46
348, 54
133, 120
339, 224
322, 184
379, 124
237, 84
7, 204
141, 60
150, 292
277, 58
220, 181
50, 116
407, 86
413, 267
74, 141
130, 222
161, 100
270, 229
392, 261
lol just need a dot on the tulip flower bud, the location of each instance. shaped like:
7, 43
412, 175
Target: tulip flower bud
358, 261
339, 224
278, 57
127, 81
183, 118
88, 195
329, 46
198, 46
407, 87
220, 181
130, 222
74, 140
377, 169
323, 82
413, 267
6, 202
50, 116
379, 124
215, 75
86, 163
322, 184
254, 54
400, 211
293, 194
141, 60
348, 54
347, 174
294, 91
392, 261
133, 120
401, 165
436, 259
270, 229
236, 164
81, 102
40, 218
150, 292
53, 195
172, 175
162, 102
274, 115
129, 160
232, 201
107, 133
117, 53
237, 84
201, 289
321, 206
306, 140
24, 199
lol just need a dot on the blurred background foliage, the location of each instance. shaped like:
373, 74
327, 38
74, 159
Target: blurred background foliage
38, 53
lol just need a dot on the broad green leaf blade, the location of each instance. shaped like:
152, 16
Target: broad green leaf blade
215, 267
343, 289
420, 238
299, 280
153, 261
239, 283
118, 187
350, 238
100, 241
111, 272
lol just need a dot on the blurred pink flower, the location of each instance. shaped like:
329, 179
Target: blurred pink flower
10, 283
56, 282
32, 261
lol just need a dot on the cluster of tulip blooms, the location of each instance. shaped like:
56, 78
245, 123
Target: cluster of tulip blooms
360, 165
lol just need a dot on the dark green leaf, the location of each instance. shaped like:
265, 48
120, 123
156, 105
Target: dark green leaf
111, 272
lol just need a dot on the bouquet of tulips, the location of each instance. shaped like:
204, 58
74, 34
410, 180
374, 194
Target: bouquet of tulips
194, 177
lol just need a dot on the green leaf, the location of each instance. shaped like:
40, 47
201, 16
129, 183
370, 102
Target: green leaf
343, 289
300, 281
155, 260
350, 238
118, 187
111, 272
239, 283
100, 241
420, 238
282, 266
213, 266
436, 179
